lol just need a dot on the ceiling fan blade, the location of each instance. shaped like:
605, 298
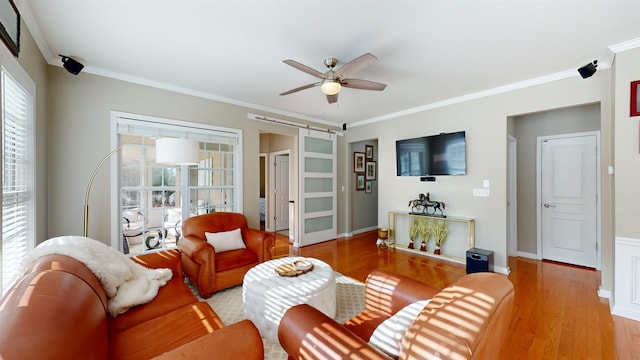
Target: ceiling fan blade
355, 65
305, 68
332, 98
362, 84
308, 86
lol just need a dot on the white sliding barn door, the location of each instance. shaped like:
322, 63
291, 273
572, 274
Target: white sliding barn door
317, 201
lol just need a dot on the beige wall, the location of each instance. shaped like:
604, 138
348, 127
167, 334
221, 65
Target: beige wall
73, 120
485, 121
627, 151
77, 138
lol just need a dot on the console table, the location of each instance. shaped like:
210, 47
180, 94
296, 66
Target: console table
457, 256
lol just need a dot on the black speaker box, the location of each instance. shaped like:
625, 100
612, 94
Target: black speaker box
71, 65
479, 260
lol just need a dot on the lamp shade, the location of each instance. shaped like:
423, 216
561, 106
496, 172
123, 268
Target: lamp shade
175, 151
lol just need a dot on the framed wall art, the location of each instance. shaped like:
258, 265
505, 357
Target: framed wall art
368, 150
370, 171
368, 187
635, 99
359, 182
10, 26
358, 162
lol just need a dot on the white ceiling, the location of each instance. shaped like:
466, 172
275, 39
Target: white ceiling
429, 52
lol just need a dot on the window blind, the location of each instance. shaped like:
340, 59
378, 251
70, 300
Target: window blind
17, 176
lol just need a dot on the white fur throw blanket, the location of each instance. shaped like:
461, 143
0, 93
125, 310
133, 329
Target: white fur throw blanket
125, 282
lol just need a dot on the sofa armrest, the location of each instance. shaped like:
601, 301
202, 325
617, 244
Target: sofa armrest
260, 242
161, 259
388, 293
306, 333
237, 341
198, 250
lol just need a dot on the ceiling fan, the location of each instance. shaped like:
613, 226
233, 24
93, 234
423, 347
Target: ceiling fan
334, 80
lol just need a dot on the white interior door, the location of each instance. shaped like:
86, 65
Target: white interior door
317, 201
569, 197
281, 172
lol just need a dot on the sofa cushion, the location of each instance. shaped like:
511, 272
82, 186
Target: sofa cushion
387, 337
171, 296
235, 259
154, 337
225, 240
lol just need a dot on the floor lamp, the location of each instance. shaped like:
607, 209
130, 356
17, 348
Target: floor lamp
169, 151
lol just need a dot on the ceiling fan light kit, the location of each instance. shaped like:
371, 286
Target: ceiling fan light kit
330, 87
333, 81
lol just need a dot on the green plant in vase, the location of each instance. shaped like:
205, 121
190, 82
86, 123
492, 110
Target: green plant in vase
425, 233
440, 232
414, 229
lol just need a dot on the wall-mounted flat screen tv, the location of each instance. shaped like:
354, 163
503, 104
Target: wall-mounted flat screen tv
442, 154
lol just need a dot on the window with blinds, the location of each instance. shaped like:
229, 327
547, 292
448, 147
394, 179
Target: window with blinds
154, 198
17, 176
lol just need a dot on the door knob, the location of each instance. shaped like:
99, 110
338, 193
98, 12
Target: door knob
548, 205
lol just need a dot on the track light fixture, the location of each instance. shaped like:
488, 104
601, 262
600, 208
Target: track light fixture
71, 65
588, 70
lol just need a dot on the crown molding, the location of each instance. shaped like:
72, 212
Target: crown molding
625, 45
27, 16
477, 95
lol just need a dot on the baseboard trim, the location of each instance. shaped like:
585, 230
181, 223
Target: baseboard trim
367, 229
528, 255
626, 313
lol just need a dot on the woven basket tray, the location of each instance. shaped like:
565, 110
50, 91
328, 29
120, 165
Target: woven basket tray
291, 270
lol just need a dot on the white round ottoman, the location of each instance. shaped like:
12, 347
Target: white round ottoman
267, 295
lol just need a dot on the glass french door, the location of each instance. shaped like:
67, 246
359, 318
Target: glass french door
318, 166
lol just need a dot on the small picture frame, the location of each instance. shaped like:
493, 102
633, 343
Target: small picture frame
370, 171
368, 150
358, 162
634, 103
368, 187
360, 182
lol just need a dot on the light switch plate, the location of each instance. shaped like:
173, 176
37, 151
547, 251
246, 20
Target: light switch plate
481, 192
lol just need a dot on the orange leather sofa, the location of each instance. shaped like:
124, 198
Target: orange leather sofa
210, 271
58, 310
468, 320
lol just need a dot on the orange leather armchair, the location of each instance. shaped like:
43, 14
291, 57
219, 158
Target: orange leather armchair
468, 320
210, 271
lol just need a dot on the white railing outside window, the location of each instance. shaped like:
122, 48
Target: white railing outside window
154, 199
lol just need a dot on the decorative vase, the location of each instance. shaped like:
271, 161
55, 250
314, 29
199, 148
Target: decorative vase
423, 247
436, 251
410, 244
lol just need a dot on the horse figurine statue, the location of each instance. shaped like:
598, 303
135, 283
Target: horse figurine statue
417, 205
436, 205
423, 203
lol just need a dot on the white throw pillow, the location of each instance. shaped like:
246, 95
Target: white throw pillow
226, 240
387, 337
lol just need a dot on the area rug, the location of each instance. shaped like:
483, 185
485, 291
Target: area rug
349, 296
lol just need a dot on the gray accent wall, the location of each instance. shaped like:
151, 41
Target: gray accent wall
364, 214
527, 129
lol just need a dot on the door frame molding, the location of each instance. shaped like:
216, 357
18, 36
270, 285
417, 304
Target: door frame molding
539, 141
512, 196
270, 210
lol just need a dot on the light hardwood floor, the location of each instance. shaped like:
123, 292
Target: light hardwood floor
557, 312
